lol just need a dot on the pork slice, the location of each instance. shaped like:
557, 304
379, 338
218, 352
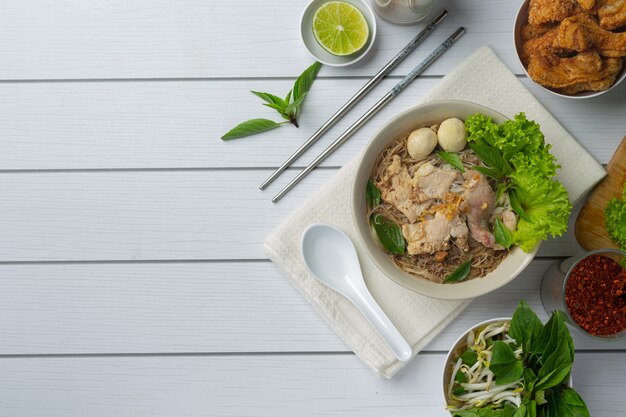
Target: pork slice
397, 188
481, 201
432, 182
434, 235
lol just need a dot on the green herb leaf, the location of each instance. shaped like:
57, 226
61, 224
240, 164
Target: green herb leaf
502, 234
490, 172
489, 411
372, 194
304, 82
516, 206
452, 158
504, 365
458, 391
460, 273
460, 377
531, 409
540, 397
273, 101
489, 155
525, 326
529, 380
567, 403
469, 357
389, 234
521, 411
250, 127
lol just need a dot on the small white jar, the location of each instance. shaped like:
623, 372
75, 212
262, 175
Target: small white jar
402, 11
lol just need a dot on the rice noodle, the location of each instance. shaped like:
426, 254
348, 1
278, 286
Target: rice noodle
484, 260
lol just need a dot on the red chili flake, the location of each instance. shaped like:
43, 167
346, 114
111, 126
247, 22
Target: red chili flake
595, 295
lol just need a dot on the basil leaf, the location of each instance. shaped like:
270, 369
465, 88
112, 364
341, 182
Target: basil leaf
489, 155
525, 326
540, 397
460, 377
504, 365
272, 101
288, 97
529, 379
502, 234
517, 207
531, 408
458, 391
567, 403
304, 82
490, 172
250, 127
452, 159
469, 357
489, 411
293, 108
556, 368
372, 194
460, 273
521, 411
389, 234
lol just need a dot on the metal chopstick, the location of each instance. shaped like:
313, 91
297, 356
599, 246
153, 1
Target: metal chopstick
373, 110
358, 96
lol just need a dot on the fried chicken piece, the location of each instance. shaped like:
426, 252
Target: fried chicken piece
546, 11
531, 32
581, 33
542, 45
586, 4
612, 13
562, 73
612, 67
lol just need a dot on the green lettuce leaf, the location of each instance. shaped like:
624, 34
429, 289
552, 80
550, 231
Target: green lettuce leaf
525, 168
615, 219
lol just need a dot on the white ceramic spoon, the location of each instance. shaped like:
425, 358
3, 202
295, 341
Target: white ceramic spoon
331, 257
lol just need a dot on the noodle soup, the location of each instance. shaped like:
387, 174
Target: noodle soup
436, 214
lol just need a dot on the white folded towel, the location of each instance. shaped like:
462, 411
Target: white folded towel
482, 78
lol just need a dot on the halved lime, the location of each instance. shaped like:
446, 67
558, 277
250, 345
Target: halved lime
340, 28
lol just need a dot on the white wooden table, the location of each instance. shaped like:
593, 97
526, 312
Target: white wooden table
132, 278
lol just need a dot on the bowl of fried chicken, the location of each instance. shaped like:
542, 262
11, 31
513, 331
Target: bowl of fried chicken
573, 48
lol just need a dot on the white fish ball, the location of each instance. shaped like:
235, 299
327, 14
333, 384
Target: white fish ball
421, 142
452, 135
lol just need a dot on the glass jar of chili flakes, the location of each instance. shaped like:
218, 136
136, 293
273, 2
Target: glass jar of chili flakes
590, 291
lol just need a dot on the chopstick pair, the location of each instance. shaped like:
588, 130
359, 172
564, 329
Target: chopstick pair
358, 96
444, 46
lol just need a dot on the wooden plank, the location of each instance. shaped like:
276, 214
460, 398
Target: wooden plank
136, 215
196, 307
177, 124
273, 386
197, 38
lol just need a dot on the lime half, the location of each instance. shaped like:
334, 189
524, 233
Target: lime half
340, 28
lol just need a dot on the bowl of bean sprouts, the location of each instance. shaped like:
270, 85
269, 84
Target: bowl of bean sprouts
468, 382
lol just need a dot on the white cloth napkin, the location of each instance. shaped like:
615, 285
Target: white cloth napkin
481, 78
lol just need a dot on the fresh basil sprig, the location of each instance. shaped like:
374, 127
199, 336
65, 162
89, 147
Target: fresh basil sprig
289, 108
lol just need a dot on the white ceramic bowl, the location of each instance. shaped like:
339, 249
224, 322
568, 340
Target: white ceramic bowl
322, 55
424, 115
459, 345
520, 20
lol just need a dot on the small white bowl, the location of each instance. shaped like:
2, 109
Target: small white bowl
461, 342
322, 55
425, 115
520, 20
